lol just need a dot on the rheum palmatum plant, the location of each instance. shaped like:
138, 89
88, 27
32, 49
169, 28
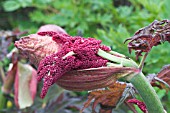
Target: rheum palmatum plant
84, 64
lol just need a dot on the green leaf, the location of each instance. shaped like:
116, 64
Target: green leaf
25, 3
41, 1
161, 93
11, 5
3, 100
102, 35
124, 11
165, 10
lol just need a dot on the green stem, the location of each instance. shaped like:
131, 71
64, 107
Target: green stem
3, 101
120, 60
116, 53
147, 93
143, 61
2, 74
139, 81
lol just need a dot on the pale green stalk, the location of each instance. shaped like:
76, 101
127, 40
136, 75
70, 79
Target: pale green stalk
139, 81
119, 60
3, 101
147, 93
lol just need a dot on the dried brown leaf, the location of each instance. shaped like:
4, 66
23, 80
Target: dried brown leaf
163, 77
107, 98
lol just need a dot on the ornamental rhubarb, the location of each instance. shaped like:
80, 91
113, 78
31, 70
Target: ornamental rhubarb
53, 66
62, 59
84, 55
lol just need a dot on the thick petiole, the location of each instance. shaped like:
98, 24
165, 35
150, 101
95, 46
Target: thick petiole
125, 62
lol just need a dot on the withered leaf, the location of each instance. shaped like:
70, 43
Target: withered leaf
108, 98
152, 35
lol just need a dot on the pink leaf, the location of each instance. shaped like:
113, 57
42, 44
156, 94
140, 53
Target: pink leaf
93, 78
9, 78
25, 86
51, 27
140, 104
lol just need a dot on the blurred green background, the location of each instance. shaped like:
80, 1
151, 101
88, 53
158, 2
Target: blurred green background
111, 21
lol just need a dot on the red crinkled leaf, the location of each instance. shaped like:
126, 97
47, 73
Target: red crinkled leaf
152, 35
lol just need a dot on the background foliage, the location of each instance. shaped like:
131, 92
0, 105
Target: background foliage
111, 21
